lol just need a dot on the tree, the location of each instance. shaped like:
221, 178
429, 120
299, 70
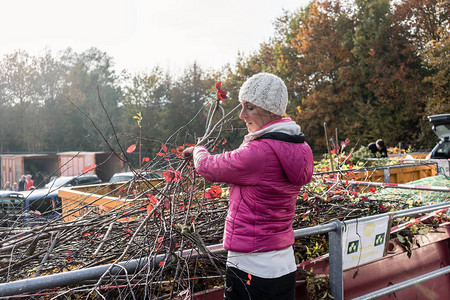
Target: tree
20, 96
317, 60
92, 86
389, 78
188, 96
428, 30
147, 94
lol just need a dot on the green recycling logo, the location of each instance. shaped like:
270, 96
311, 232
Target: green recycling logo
379, 239
352, 247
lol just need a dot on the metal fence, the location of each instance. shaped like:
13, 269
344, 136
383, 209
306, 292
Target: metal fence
334, 230
412, 281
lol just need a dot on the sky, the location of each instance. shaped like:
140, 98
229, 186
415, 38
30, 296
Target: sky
142, 34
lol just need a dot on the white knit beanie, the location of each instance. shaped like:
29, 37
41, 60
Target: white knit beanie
266, 91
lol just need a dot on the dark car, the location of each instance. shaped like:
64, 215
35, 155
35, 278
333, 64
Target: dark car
41, 206
11, 209
65, 181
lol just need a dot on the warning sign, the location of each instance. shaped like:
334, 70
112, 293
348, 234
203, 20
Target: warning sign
364, 241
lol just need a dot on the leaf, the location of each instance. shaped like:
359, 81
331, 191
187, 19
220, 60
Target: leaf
89, 168
131, 148
152, 199
149, 208
145, 159
219, 85
345, 143
215, 191
400, 238
222, 95
249, 278
171, 175
160, 154
67, 255
164, 147
180, 149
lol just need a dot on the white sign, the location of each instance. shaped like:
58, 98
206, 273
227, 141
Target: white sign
364, 241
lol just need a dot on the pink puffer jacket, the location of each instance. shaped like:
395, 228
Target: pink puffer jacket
265, 176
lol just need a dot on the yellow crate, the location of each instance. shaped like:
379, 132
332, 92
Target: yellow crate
395, 174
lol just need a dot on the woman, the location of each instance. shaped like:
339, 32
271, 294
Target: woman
266, 173
22, 183
30, 183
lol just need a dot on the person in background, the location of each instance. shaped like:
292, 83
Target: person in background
22, 183
15, 188
38, 180
29, 183
265, 175
378, 146
7, 186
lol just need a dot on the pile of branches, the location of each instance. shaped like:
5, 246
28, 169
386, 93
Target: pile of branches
142, 226
162, 219
158, 220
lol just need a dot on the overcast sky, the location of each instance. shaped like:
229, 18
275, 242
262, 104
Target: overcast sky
140, 34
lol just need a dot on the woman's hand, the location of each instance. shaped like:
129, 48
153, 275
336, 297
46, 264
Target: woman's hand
187, 153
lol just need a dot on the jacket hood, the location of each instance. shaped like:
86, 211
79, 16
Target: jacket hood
288, 142
296, 160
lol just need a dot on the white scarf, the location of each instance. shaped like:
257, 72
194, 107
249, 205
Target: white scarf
288, 127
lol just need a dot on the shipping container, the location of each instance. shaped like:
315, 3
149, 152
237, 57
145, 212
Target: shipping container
13, 166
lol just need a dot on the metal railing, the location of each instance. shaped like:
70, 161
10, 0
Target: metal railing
334, 230
412, 281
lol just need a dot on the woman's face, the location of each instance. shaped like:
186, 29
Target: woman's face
255, 117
